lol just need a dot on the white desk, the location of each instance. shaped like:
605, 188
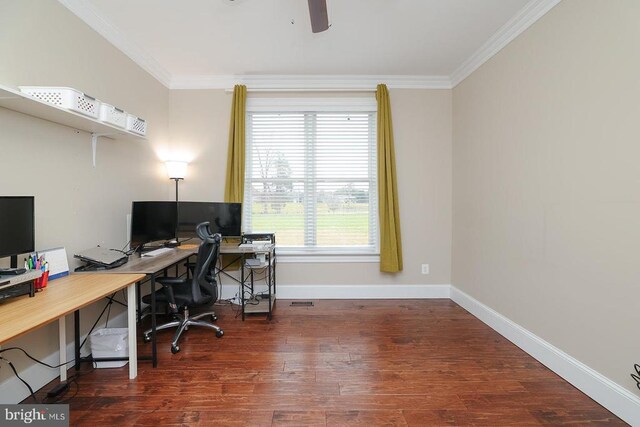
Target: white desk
63, 296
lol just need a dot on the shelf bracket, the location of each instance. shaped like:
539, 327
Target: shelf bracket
94, 144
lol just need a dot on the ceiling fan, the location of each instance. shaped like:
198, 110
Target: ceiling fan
318, 15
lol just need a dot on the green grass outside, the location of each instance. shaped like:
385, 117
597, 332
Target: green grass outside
336, 228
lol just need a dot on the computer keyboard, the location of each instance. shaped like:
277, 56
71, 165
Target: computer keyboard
157, 252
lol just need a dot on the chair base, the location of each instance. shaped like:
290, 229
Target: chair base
182, 322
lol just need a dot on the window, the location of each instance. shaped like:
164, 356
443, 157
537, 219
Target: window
310, 174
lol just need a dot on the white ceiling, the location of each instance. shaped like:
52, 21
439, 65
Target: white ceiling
203, 40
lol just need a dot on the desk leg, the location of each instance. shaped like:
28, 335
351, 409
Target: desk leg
62, 335
76, 327
242, 283
138, 301
133, 343
154, 348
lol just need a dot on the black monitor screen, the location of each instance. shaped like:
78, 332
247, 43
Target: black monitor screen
152, 221
224, 218
17, 230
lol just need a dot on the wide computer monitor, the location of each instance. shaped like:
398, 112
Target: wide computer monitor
17, 225
152, 222
224, 218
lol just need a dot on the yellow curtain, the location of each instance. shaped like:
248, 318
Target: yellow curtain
389, 211
234, 185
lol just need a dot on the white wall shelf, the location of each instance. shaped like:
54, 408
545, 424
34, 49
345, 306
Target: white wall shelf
15, 100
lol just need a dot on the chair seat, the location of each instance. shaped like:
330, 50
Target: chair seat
181, 292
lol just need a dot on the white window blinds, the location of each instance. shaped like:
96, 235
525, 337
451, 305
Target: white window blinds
310, 176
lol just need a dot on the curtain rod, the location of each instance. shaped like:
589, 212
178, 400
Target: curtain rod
306, 90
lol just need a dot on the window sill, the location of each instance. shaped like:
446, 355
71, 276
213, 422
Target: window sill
313, 258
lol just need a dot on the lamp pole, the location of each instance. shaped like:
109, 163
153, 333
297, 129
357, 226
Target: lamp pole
175, 233
177, 171
177, 180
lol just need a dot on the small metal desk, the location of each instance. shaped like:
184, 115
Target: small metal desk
247, 283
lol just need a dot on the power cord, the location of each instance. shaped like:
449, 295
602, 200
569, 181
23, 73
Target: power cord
34, 359
106, 324
13, 368
636, 376
15, 371
73, 379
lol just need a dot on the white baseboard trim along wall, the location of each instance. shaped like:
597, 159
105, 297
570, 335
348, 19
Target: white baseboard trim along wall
595, 385
363, 291
612, 396
348, 291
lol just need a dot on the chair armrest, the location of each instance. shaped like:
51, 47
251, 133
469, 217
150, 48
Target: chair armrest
167, 286
170, 281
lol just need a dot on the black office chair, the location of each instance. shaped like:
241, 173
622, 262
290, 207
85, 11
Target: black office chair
184, 293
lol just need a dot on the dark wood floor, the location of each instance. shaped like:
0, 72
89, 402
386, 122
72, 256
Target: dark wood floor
370, 363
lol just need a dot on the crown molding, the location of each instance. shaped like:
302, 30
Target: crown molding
322, 82
527, 16
88, 14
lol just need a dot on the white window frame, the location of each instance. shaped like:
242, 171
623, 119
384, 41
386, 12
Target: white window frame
342, 104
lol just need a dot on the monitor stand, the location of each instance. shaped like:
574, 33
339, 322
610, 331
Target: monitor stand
13, 270
172, 244
145, 248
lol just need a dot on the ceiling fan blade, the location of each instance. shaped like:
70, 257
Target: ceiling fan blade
319, 16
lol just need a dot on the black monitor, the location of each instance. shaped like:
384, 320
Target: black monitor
224, 218
152, 222
17, 226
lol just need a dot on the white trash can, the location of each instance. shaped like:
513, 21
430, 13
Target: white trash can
110, 342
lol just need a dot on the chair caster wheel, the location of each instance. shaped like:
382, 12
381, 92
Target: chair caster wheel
219, 334
175, 349
146, 338
214, 318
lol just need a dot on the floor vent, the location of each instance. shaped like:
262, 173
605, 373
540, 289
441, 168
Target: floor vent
301, 303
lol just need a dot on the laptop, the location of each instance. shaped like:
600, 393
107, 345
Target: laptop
102, 256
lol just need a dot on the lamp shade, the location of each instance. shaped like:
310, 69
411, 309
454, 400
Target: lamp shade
176, 170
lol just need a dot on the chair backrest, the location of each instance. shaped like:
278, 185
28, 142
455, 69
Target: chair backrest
203, 284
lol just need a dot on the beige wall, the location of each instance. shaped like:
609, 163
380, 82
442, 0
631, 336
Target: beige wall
547, 184
77, 206
422, 127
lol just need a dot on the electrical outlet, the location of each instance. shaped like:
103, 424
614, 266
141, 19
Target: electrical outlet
425, 268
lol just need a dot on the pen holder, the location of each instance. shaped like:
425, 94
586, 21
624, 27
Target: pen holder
41, 282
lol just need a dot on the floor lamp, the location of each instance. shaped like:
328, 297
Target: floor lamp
176, 171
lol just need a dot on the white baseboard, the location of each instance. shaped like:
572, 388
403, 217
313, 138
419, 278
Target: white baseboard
595, 385
351, 291
37, 376
362, 291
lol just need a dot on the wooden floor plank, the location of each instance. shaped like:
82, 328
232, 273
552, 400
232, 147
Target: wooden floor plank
338, 363
365, 418
299, 418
